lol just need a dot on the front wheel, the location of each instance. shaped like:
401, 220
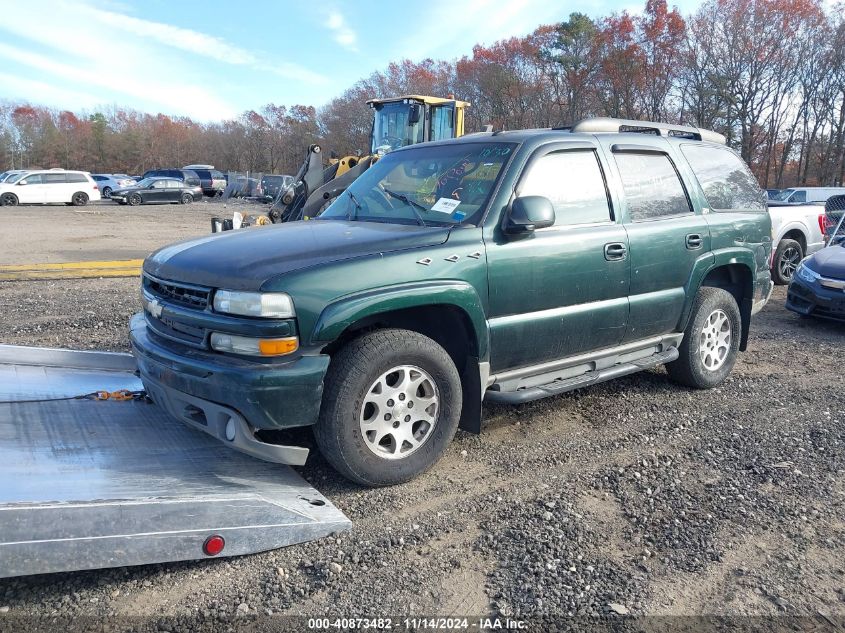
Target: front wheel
79, 199
135, 199
8, 200
711, 340
391, 405
787, 257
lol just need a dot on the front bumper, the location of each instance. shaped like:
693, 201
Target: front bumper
814, 299
207, 390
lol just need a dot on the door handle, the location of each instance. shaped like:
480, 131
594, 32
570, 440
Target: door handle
615, 251
694, 241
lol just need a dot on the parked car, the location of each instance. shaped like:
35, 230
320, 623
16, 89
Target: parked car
212, 180
509, 266
272, 185
109, 182
806, 195
772, 194
49, 186
157, 191
818, 287
797, 231
188, 176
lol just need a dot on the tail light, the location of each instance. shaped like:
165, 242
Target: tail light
824, 223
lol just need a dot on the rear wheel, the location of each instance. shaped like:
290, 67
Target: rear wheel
711, 340
79, 199
186, 198
8, 200
107, 192
135, 199
787, 257
391, 406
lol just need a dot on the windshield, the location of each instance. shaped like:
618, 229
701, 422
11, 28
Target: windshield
13, 178
436, 185
391, 130
783, 195
145, 182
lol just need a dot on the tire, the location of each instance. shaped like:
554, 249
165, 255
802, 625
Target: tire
8, 200
79, 199
107, 192
134, 200
361, 378
711, 340
186, 198
787, 257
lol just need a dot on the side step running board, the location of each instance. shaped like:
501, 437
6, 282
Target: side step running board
528, 394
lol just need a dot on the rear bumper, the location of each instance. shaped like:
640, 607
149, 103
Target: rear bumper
207, 390
815, 300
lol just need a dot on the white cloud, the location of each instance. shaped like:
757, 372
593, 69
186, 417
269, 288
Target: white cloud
42, 92
173, 36
343, 34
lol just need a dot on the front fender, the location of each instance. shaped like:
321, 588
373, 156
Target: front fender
340, 314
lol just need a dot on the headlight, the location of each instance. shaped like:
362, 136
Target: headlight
253, 346
806, 273
254, 304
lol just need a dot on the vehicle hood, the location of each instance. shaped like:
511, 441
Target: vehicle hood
246, 258
829, 262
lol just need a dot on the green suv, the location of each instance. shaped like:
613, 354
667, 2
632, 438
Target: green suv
504, 266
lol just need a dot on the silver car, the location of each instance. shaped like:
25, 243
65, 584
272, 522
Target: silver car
109, 182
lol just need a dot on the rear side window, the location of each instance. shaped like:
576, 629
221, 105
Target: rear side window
652, 186
53, 179
574, 183
75, 178
726, 180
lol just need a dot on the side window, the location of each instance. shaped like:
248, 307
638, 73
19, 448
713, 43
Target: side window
54, 179
32, 179
574, 183
652, 186
75, 178
160, 184
726, 180
798, 196
174, 184
442, 122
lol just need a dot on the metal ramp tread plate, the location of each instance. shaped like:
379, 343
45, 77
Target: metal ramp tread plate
87, 484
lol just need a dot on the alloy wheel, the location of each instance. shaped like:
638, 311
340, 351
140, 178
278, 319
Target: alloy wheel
715, 340
399, 412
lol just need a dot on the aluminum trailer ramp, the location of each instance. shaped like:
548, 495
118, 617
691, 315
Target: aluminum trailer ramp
86, 484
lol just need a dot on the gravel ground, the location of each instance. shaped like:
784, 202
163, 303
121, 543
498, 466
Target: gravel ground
633, 497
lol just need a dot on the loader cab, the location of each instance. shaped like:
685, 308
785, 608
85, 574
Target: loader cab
412, 119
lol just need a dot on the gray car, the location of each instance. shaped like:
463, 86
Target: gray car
107, 183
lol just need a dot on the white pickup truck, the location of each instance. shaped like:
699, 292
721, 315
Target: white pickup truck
797, 231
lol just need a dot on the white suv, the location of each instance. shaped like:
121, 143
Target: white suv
49, 186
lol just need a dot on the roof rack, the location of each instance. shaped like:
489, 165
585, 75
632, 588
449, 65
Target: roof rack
606, 124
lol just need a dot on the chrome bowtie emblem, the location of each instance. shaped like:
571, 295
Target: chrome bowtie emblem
154, 308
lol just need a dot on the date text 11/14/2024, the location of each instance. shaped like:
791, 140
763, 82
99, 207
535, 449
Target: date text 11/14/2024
419, 624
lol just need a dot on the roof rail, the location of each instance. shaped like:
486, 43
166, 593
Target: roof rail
606, 124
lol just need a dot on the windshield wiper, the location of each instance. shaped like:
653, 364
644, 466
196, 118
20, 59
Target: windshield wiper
353, 212
414, 205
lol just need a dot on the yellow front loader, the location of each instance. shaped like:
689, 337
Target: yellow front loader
397, 122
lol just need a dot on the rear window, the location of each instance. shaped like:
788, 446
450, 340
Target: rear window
204, 174
725, 179
653, 188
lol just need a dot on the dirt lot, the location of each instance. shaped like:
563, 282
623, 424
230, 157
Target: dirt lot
633, 496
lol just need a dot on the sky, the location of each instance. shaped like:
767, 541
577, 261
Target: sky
213, 60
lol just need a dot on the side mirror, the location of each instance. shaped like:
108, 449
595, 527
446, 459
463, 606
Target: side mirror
414, 113
529, 213
21, 182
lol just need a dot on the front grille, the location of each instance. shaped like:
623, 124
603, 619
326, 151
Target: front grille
180, 294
